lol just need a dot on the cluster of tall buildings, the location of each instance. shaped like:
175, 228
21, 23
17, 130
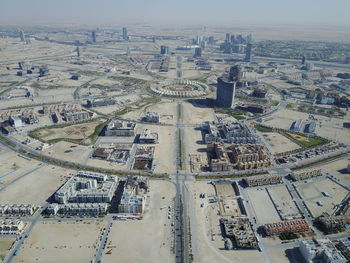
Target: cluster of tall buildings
238, 44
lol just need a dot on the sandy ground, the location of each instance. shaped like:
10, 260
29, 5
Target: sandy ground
326, 127
206, 249
337, 169
12, 166
166, 110
279, 143
146, 240
264, 214
61, 242
69, 151
36, 187
312, 193
283, 200
194, 145
196, 115
5, 245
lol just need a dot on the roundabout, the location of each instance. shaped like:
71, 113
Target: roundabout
180, 88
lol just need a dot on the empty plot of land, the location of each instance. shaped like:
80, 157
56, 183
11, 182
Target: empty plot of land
284, 203
146, 240
321, 196
279, 143
5, 245
263, 207
164, 154
61, 242
191, 114
13, 166
35, 187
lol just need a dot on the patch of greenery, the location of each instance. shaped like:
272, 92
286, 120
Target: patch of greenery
239, 117
262, 128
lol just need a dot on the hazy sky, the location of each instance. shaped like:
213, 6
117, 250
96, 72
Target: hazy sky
206, 12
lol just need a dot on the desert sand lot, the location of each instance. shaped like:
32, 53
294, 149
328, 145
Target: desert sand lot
13, 165
206, 249
145, 240
164, 154
5, 245
69, 151
330, 127
35, 187
311, 193
283, 200
61, 242
266, 213
337, 169
279, 143
50, 95
193, 144
196, 114
280, 255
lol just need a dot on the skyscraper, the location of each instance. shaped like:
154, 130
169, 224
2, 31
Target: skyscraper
22, 36
78, 52
164, 50
248, 53
303, 60
198, 52
93, 36
226, 88
347, 60
125, 34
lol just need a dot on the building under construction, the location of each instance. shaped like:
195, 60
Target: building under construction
295, 226
263, 180
240, 231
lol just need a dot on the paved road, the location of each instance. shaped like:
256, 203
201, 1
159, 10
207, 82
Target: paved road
103, 240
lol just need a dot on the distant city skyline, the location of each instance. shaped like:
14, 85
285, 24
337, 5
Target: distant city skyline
205, 12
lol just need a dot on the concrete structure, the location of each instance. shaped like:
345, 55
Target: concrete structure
295, 226
133, 200
263, 180
219, 160
323, 251
76, 116
93, 36
147, 136
229, 132
164, 50
16, 121
120, 128
152, 117
17, 210
85, 190
77, 209
197, 52
125, 34
11, 227
248, 54
306, 174
240, 231
180, 88
22, 36
227, 84
249, 156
